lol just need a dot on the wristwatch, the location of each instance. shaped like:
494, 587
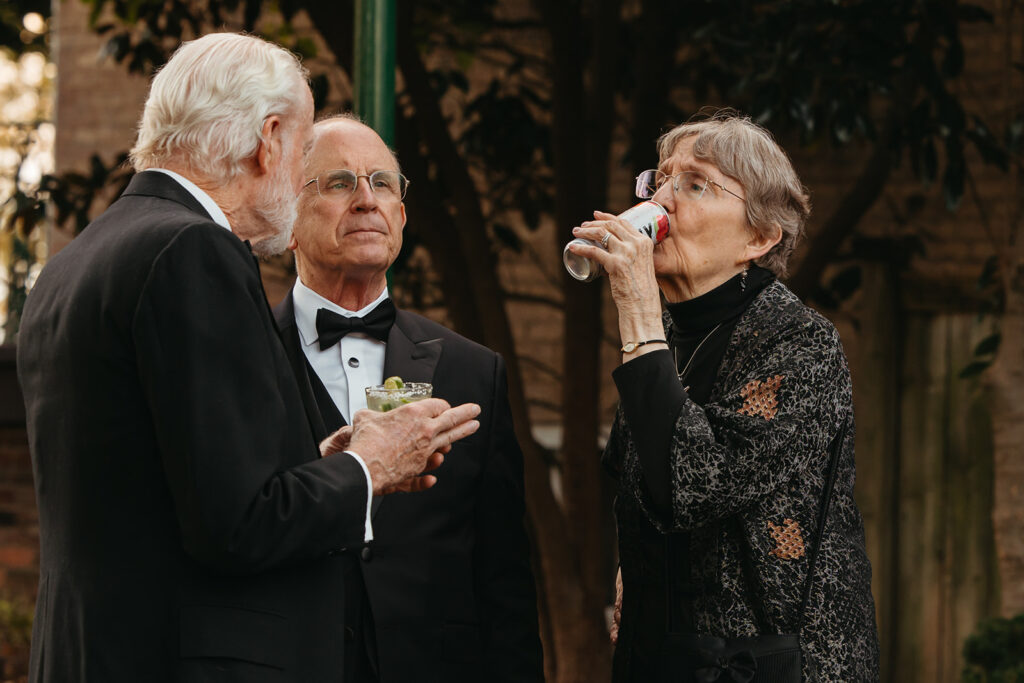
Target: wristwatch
630, 347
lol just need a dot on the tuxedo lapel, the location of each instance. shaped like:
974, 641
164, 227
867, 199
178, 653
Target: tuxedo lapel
411, 356
312, 401
408, 354
333, 420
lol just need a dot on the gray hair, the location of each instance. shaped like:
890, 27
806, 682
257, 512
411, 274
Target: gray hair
209, 102
743, 150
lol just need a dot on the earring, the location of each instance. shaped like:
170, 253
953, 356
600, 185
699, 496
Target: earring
743, 278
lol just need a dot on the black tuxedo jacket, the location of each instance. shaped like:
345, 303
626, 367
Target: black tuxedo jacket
188, 527
447, 576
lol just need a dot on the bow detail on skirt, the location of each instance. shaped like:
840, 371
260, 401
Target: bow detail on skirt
739, 667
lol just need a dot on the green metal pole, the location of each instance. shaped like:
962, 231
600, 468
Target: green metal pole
374, 65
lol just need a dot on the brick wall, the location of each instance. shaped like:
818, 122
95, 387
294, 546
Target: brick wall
98, 102
19, 522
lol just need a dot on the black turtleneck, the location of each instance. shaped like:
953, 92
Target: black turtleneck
652, 388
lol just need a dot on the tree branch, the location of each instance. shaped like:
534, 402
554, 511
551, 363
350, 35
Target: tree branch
843, 221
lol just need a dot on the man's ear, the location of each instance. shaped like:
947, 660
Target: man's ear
293, 243
761, 242
268, 152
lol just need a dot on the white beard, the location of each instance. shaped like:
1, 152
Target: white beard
280, 211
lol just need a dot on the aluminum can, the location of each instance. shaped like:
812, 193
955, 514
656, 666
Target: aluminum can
649, 217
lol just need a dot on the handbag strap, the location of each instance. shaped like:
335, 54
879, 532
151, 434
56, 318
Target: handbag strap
826, 500
751, 575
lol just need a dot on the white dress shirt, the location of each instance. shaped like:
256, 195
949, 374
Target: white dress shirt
218, 217
346, 368
351, 365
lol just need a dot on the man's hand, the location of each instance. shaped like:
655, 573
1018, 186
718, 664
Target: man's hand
400, 445
336, 442
617, 612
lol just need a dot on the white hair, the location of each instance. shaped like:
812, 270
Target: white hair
279, 209
207, 105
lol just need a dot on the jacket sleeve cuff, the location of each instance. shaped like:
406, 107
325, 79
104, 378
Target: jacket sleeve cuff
368, 536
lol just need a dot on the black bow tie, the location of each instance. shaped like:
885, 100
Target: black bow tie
331, 327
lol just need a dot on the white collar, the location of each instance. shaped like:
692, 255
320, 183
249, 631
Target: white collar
307, 303
204, 199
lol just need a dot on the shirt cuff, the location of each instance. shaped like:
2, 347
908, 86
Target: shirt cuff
651, 397
369, 495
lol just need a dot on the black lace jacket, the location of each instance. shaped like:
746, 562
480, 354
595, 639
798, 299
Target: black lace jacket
756, 453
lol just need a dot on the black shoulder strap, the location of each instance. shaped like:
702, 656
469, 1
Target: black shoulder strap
826, 500
753, 579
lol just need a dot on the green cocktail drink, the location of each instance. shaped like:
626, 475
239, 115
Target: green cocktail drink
394, 393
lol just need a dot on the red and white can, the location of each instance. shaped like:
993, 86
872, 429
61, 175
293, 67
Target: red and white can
649, 218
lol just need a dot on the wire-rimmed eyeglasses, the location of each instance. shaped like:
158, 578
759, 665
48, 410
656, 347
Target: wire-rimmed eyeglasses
689, 184
341, 184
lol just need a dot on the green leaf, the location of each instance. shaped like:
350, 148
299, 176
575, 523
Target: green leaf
991, 151
994, 653
988, 345
975, 368
508, 237
846, 282
465, 59
305, 47
95, 11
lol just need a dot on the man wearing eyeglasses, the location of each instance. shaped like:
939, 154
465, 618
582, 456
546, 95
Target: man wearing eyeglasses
444, 592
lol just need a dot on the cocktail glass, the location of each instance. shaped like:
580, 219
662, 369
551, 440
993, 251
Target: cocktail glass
382, 399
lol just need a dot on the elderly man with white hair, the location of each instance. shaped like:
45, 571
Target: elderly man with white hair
190, 529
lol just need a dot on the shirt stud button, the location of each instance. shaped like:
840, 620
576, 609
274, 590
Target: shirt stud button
353, 362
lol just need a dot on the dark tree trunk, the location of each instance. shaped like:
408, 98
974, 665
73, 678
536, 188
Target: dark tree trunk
573, 617
652, 79
582, 106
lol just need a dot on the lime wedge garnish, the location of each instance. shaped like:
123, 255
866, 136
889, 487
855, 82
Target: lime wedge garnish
394, 383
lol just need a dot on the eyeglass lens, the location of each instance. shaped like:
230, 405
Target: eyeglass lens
343, 182
688, 184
